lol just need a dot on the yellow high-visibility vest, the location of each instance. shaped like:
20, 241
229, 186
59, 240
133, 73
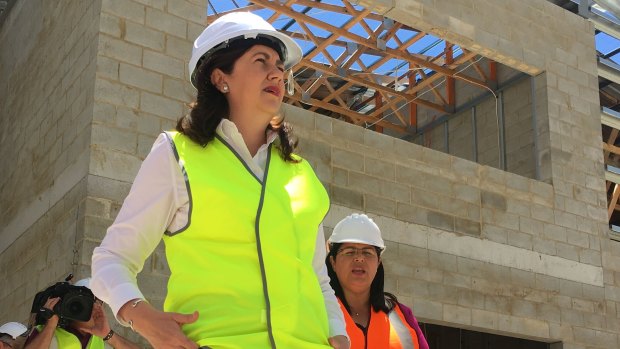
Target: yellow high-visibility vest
244, 260
67, 340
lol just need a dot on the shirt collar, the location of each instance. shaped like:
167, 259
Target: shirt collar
228, 130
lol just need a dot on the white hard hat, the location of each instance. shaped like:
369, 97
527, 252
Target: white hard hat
13, 329
83, 282
238, 24
357, 228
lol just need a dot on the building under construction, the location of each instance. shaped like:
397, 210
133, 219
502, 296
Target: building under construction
481, 136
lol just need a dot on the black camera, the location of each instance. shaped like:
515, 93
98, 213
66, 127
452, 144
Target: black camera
76, 303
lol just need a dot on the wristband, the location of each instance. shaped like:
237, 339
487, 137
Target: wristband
136, 302
109, 335
46, 314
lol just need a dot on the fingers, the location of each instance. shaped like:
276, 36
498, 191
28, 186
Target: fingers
339, 342
98, 310
187, 344
102, 312
176, 341
47, 311
51, 302
185, 318
163, 330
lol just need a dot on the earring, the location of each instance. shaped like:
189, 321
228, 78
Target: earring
290, 83
225, 88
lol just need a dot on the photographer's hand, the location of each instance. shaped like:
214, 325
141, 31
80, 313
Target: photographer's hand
100, 327
161, 329
44, 338
49, 305
98, 324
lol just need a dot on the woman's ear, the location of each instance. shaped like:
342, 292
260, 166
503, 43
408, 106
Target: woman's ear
217, 78
332, 261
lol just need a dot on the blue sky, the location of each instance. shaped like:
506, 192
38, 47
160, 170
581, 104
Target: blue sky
428, 45
606, 43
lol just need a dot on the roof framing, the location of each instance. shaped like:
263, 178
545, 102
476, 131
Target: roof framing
364, 68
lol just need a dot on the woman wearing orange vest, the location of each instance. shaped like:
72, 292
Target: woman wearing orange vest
375, 319
239, 213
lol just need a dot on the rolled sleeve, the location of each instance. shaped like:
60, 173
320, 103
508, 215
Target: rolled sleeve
145, 215
337, 326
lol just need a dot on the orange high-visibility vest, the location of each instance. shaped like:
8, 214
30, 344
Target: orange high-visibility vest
385, 331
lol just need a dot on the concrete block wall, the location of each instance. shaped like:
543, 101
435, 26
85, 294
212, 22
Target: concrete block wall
550, 220
518, 119
517, 104
468, 245
141, 89
461, 138
47, 65
519, 133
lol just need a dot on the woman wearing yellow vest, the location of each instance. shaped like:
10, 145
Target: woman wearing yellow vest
374, 318
91, 334
240, 214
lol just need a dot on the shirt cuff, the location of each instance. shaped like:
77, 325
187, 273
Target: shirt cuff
337, 328
121, 295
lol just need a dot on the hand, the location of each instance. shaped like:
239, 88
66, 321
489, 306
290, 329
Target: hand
98, 324
339, 342
49, 305
161, 329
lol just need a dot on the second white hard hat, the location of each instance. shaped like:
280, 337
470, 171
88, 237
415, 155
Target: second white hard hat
240, 24
83, 282
13, 329
357, 228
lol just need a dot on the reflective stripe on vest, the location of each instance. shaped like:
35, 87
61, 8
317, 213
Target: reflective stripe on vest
385, 331
401, 332
244, 260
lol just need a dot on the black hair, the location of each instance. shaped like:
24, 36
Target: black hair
379, 299
211, 105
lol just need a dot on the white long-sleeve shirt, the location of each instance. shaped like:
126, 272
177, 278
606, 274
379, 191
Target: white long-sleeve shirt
157, 202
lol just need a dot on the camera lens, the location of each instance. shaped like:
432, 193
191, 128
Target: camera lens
77, 306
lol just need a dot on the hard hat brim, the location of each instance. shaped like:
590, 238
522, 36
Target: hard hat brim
356, 241
13, 329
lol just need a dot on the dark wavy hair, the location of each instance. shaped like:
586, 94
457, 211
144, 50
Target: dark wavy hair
379, 299
211, 105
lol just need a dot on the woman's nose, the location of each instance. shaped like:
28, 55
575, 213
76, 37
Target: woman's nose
276, 73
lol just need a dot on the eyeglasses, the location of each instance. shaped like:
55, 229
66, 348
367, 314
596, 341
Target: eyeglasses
351, 252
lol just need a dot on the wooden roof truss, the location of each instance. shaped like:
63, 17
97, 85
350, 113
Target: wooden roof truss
363, 68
